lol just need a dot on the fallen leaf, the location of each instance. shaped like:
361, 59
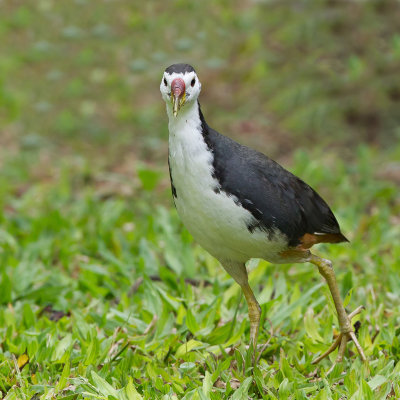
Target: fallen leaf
23, 359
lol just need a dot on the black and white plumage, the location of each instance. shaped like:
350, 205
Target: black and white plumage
276, 198
236, 202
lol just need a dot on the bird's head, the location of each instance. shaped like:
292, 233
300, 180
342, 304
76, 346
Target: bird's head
179, 86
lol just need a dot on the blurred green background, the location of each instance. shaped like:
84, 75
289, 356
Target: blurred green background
91, 248
278, 75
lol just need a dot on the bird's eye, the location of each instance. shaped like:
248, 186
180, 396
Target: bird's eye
165, 82
193, 82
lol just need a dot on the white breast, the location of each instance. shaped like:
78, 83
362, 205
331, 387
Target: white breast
213, 218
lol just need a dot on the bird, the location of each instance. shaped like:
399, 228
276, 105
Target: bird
239, 204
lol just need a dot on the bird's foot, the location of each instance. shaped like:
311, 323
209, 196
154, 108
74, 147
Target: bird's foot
345, 335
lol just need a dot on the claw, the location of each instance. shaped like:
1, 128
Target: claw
346, 330
341, 342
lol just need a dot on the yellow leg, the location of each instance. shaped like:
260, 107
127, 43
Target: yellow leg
254, 314
238, 272
346, 330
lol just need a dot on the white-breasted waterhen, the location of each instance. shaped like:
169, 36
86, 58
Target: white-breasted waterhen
239, 204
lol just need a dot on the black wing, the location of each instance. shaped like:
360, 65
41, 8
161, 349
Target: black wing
274, 196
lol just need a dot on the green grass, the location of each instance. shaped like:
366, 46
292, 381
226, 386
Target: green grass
105, 292
284, 74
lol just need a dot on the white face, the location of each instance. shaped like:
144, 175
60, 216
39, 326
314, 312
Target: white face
192, 86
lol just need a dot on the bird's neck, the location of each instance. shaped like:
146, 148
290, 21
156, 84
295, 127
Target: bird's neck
188, 124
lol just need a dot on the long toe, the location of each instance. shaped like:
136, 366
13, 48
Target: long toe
341, 342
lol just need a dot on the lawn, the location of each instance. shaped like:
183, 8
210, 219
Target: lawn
103, 293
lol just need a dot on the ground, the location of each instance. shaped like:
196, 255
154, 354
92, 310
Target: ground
103, 293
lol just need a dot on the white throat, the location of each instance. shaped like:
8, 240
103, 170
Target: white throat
188, 152
188, 119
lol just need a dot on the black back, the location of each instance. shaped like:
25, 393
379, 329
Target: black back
273, 195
